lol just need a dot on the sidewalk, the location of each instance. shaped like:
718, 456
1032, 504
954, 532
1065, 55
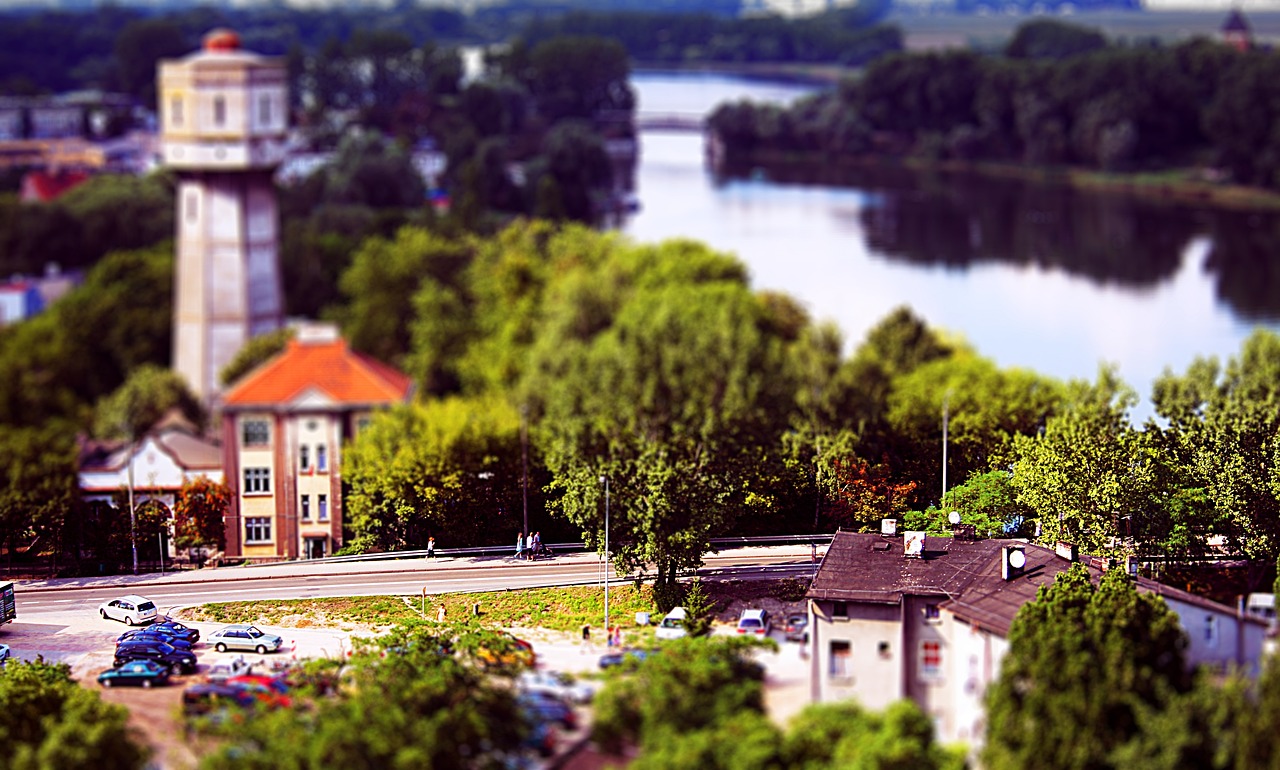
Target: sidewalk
321, 568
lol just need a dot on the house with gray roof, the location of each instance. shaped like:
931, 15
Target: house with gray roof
927, 618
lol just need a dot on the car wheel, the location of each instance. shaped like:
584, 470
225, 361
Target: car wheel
103, 613
106, 682
220, 647
128, 620
262, 650
146, 683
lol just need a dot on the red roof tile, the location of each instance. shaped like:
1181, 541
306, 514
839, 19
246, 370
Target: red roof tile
332, 368
44, 186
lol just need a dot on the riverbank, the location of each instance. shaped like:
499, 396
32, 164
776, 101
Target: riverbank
1184, 186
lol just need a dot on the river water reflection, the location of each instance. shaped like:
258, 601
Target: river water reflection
1034, 276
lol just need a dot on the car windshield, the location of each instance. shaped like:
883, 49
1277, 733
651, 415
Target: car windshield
167, 649
670, 623
253, 632
749, 623
145, 606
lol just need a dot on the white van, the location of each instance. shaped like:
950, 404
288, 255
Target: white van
672, 626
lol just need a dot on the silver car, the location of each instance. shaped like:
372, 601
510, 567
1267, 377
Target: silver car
243, 636
129, 609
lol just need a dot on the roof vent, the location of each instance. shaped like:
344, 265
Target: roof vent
889, 527
913, 544
1013, 561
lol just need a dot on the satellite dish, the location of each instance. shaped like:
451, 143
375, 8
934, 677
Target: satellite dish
954, 517
1017, 559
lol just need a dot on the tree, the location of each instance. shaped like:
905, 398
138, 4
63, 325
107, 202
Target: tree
199, 514
1082, 476
1051, 39
579, 77
846, 735
1083, 661
51, 721
38, 466
146, 396
371, 171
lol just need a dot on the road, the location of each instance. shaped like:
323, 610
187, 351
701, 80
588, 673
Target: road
58, 618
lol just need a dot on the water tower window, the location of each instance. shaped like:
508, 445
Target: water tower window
193, 210
175, 111
264, 110
219, 111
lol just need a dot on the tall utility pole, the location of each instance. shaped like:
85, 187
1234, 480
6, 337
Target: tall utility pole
942, 500
605, 480
133, 517
524, 462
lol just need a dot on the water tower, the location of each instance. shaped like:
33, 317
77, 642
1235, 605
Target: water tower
223, 124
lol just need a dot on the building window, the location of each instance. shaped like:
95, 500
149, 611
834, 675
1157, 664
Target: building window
931, 659
306, 507
304, 457
256, 433
884, 650
257, 530
175, 111
322, 458
192, 207
932, 614
264, 110
257, 481
1211, 630
841, 660
219, 111
840, 610
322, 502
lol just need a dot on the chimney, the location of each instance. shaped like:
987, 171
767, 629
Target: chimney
1065, 550
1013, 560
889, 527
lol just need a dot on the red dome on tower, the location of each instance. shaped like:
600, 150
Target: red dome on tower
222, 40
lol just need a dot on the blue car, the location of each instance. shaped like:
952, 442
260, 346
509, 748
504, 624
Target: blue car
138, 673
152, 634
611, 659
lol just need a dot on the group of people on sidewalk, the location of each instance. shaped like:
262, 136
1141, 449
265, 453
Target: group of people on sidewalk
531, 547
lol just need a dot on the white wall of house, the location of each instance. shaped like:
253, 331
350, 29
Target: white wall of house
858, 655
153, 468
1223, 641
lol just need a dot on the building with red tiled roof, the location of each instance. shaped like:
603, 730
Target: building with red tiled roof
1236, 31
931, 622
47, 186
283, 428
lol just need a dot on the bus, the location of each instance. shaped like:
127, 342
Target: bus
8, 604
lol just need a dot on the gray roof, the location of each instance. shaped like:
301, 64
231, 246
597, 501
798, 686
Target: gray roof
964, 573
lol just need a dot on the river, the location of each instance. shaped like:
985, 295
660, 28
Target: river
1036, 277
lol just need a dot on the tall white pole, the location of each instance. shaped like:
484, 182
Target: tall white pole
605, 481
942, 502
133, 522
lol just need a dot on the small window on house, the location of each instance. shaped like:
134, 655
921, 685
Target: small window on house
322, 458
932, 614
257, 530
256, 433
264, 110
193, 207
219, 111
931, 659
884, 650
257, 481
304, 457
175, 111
322, 502
1211, 631
841, 659
840, 610
306, 507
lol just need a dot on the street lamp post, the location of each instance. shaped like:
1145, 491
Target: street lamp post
605, 480
133, 522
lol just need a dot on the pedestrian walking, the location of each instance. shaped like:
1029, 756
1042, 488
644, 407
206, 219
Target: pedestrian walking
440, 614
431, 548
534, 541
519, 545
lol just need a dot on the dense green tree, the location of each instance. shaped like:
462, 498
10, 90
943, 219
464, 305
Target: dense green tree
1083, 661
371, 171
121, 212
51, 721
1053, 39
578, 77
147, 395
1079, 478
38, 466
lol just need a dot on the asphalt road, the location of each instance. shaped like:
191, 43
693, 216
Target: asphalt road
59, 620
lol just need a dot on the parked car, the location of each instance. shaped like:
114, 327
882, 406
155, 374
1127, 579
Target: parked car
4, 653
165, 654
141, 673
616, 658
152, 634
509, 651
797, 628
266, 690
130, 610
754, 622
223, 670
555, 683
206, 697
242, 636
165, 623
550, 708
672, 625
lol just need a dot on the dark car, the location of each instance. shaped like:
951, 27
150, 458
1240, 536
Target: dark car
611, 659
207, 697
151, 634
165, 654
143, 673
549, 708
168, 624
796, 628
